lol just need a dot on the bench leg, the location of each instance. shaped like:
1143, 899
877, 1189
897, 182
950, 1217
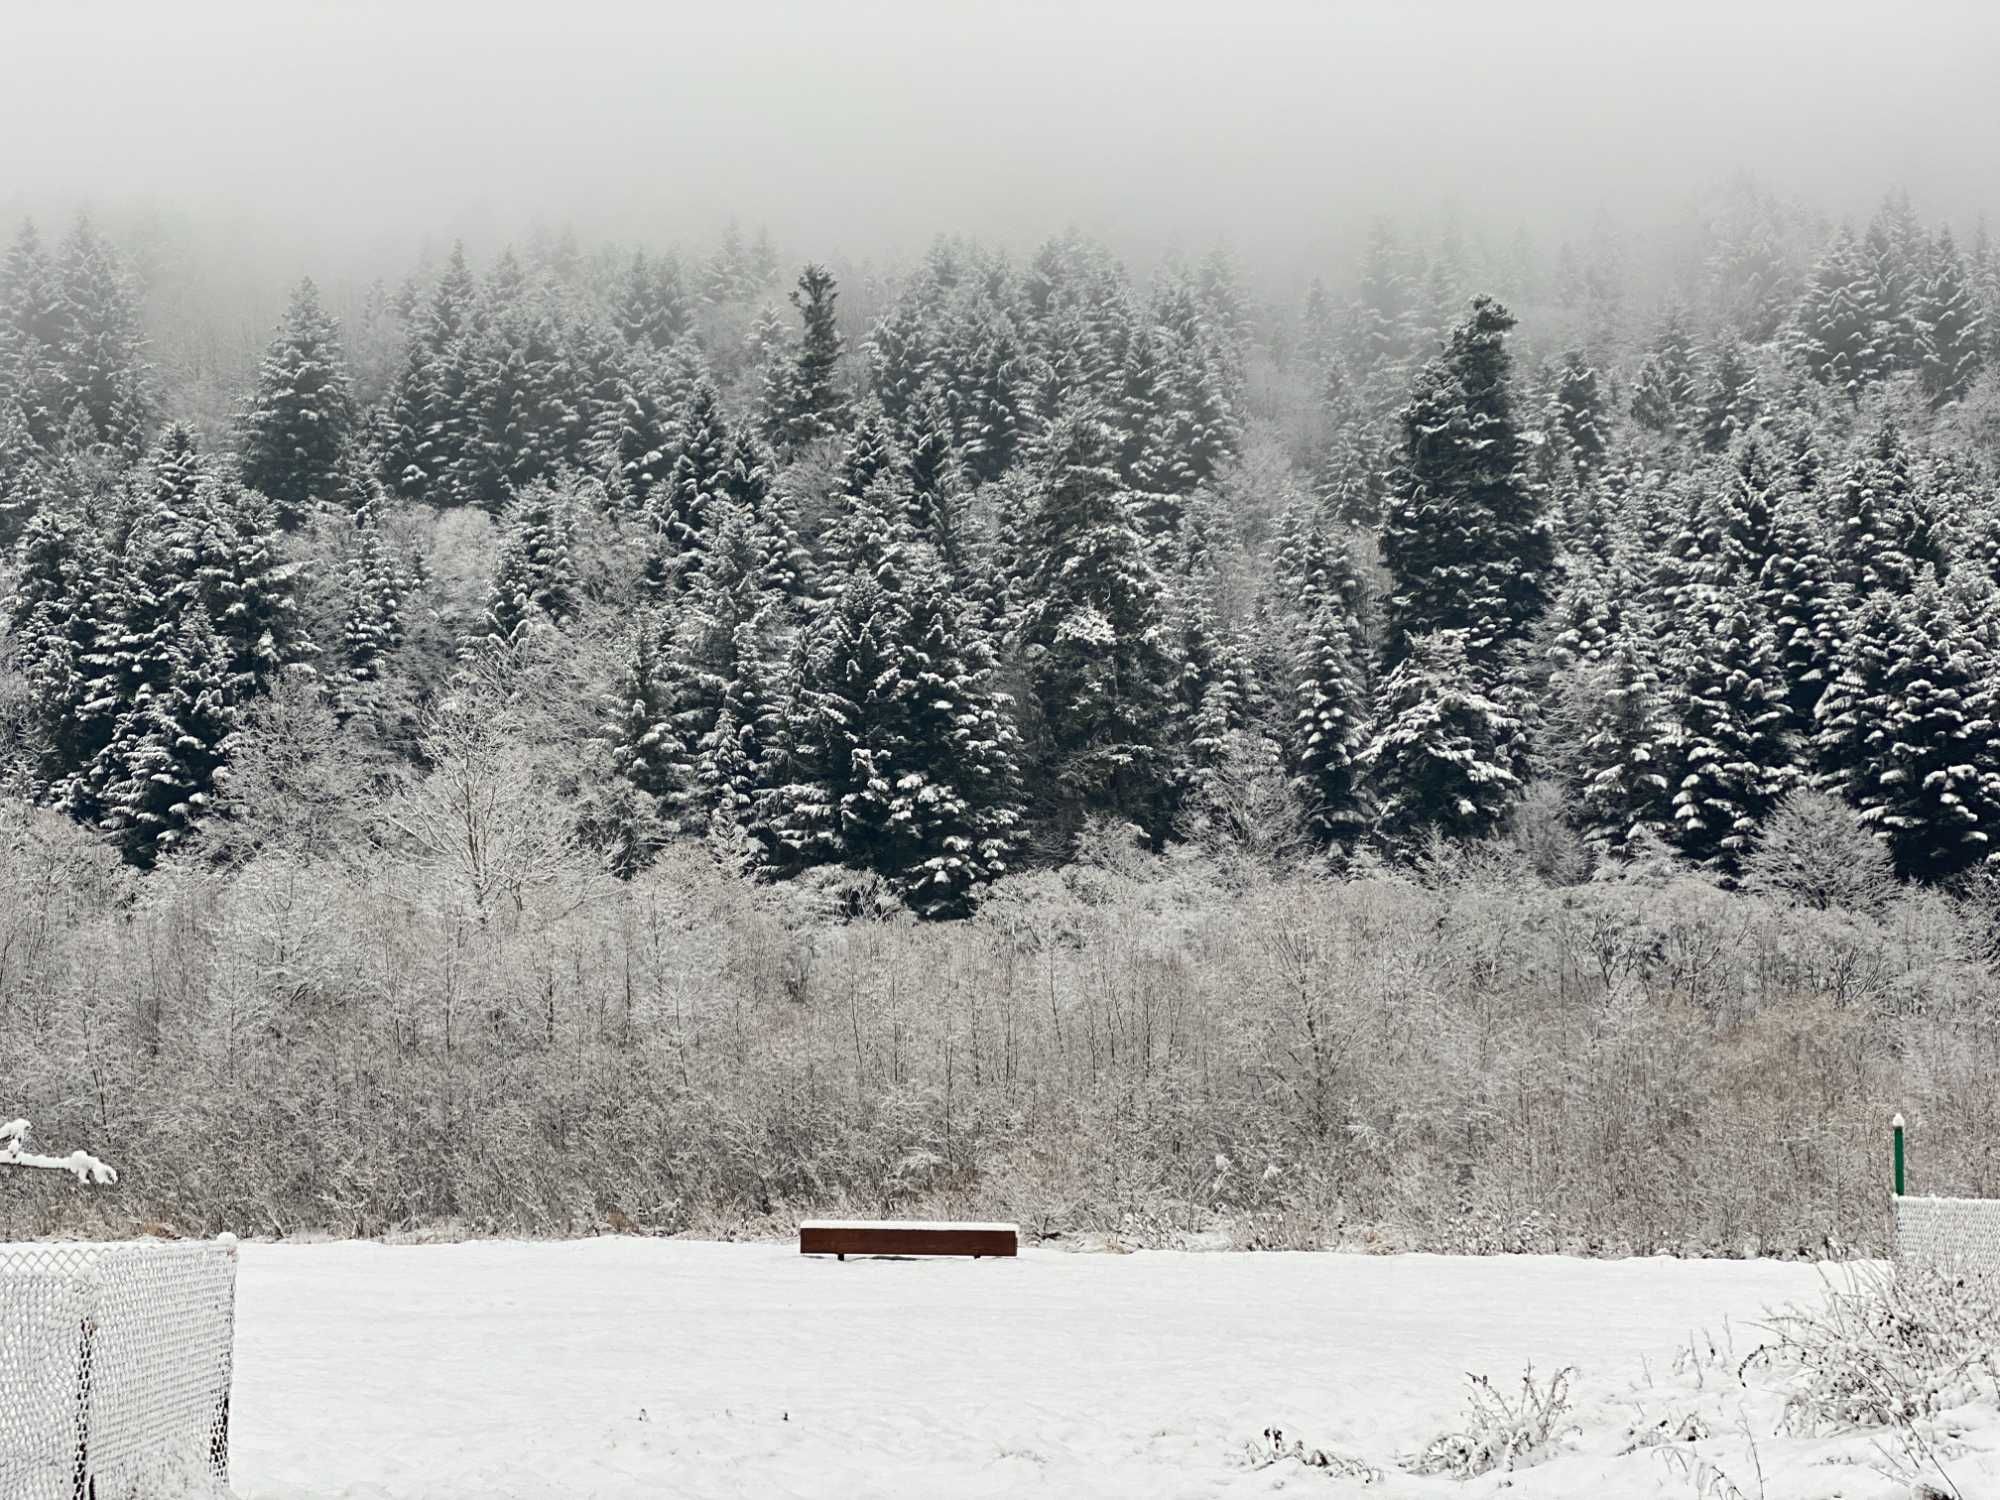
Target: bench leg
841, 1256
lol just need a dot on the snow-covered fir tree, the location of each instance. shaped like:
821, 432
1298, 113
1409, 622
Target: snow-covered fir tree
172, 745
377, 587
295, 427
1465, 539
103, 374
534, 580
803, 400
896, 756
1666, 393
1729, 748
1908, 728
1623, 789
1089, 635
1330, 731
1441, 756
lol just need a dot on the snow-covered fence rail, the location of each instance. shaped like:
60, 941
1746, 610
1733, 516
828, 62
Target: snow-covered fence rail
1953, 1233
82, 1165
115, 1370
115, 1359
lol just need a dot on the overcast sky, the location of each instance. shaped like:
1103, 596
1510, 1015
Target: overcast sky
863, 126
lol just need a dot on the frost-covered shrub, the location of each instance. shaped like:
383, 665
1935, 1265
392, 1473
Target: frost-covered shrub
1501, 1432
381, 1040
1271, 1448
1891, 1348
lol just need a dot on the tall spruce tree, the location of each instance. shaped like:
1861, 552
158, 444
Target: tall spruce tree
172, 746
64, 618
897, 755
1907, 728
1729, 397
1838, 324
298, 421
1730, 749
1807, 604
534, 580
103, 373
1330, 730
377, 587
1090, 636
803, 400
33, 322
1576, 413
1465, 540
646, 748
1621, 762
1441, 755
1666, 393
1951, 325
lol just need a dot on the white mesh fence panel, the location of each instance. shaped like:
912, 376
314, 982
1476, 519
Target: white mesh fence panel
1953, 1233
115, 1369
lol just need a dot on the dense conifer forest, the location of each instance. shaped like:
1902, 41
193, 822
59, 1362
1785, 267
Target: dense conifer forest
1447, 747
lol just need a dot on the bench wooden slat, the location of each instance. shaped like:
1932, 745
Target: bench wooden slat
845, 1237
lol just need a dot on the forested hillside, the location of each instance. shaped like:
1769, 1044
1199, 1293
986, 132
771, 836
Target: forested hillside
535, 719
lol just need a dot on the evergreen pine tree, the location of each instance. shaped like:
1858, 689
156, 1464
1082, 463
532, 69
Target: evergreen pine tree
639, 448
102, 352
803, 401
1729, 747
1624, 792
1330, 731
173, 746
33, 324
1877, 516
1380, 316
1894, 252
639, 730
1576, 414
25, 480
297, 423
1838, 322
63, 616
652, 311
1952, 326
700, 470
1441, 754
1908, 730
898, 753
534, 580
1805, 602
1089, 635
1465, 540
376, 587
732, 758
1729, 398
226, 554
932, 464
1665, 397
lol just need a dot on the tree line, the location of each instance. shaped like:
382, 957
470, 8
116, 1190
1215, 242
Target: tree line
1336, 583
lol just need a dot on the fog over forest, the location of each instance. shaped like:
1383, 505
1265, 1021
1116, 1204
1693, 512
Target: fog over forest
319, 135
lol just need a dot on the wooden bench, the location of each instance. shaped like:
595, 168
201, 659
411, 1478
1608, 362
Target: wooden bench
845, 1237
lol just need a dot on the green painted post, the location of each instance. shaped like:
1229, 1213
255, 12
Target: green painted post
1897, 1125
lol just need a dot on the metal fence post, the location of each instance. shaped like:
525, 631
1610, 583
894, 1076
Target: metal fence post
1897, 1126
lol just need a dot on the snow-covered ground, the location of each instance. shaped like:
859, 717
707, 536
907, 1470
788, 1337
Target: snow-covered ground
617, 1369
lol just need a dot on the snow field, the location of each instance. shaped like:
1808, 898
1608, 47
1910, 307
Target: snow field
615, 1369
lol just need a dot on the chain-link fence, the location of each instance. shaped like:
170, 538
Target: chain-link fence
114, 1370
1949, 1233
